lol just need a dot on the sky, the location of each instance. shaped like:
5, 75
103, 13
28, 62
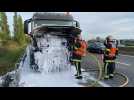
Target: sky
93, 24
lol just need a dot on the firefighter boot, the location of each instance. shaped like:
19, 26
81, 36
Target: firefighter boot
106, 77
111, 75
79, 77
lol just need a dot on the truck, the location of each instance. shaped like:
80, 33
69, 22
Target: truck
56, 24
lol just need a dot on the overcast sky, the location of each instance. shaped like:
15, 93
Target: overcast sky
118, 24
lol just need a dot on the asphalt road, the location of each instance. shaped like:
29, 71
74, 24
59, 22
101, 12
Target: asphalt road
125, 65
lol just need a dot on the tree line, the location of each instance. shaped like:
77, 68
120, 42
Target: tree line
18, 28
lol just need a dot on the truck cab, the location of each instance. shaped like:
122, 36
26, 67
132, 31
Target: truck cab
61, 24
57, 24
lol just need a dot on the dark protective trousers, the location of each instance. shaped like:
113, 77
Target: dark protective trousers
76, 60
109, 67
78, 67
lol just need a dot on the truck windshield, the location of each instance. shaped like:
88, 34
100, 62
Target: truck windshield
54, 23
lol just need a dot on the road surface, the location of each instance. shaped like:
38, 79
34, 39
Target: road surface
124, 65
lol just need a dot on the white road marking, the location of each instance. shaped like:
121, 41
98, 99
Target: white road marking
104, 84
94, 79
123, 63
125, 55
100, 82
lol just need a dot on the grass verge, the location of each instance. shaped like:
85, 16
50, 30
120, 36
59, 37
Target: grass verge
10, 53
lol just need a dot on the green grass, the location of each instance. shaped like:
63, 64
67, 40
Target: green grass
10, 53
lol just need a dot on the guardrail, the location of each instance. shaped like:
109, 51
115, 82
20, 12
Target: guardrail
126, 50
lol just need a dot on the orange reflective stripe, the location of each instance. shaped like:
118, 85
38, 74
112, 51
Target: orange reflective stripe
113, 51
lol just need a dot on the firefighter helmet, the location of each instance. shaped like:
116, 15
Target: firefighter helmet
109, 38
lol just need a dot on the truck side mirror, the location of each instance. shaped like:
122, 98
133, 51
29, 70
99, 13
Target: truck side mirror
26, 23
77, 24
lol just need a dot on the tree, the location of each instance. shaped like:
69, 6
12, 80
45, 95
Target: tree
15, 25
4, 27
18, 24
20, 30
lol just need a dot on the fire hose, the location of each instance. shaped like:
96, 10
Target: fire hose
100, 75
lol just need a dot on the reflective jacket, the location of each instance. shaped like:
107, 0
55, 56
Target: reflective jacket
81, 51
111, 50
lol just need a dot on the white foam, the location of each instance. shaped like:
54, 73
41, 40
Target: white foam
56, 71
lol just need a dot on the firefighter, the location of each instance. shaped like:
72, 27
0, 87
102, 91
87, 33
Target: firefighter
79, 50
110, 53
